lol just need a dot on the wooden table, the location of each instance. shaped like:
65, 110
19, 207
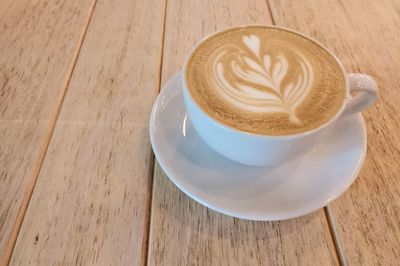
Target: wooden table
78, 180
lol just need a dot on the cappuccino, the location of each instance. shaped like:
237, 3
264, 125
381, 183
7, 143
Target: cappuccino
265, 80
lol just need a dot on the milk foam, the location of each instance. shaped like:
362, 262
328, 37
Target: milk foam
259, 88
265, 80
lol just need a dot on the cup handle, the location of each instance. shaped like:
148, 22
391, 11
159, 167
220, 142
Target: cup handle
367, 89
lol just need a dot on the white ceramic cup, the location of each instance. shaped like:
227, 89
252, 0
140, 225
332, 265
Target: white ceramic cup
262, 150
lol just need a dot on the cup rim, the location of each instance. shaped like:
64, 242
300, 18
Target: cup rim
260, 135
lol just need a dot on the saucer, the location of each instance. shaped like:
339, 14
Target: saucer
292, 189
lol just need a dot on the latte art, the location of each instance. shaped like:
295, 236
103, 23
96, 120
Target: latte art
267, 73
265, 80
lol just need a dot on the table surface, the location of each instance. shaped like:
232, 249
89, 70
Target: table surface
78, 180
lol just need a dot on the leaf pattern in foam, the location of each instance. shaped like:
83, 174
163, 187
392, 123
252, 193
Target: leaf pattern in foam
258, 71
280, 69
253, 43
267, 62
254, 65
251, 76
257, 94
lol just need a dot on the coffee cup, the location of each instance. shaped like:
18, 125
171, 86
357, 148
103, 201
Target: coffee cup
263, 95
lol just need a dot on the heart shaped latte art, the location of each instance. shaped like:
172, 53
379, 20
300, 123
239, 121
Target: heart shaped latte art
263, 71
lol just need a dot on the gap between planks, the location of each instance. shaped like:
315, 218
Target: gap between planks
271, 12
146, 246
335, 235
45, 142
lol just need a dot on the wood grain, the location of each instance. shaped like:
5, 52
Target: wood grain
91, 201
364, 35
34, 63
183, 232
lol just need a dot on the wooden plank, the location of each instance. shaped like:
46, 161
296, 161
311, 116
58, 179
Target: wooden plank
37, 44
365, 36
91, 202
183, 232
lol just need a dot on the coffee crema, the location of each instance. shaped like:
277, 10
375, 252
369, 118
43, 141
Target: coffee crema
265, 80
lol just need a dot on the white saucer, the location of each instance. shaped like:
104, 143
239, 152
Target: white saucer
293, 189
